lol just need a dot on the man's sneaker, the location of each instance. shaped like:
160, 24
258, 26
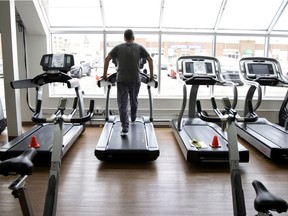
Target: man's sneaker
124, 133
133, 119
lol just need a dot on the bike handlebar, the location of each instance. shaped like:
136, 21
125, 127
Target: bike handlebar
21, 165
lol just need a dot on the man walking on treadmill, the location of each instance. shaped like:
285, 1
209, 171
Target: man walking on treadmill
128, 57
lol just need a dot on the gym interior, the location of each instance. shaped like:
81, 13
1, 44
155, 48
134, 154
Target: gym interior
220, 71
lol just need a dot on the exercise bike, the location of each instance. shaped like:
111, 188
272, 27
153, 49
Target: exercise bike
265, 201
23, 167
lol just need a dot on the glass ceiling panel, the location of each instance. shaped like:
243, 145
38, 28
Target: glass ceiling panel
132, 13
249, 14
73, 13
282, 24
255, 15
200, 14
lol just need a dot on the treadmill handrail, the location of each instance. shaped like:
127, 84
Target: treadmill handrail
256, 86
273, 80
111, 80
231, 114
184, 101
42, 79
202, 79
66, 118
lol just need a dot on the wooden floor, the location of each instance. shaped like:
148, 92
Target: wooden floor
167, 186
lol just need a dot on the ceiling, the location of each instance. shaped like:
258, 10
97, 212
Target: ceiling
254, 16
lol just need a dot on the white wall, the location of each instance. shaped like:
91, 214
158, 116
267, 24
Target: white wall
10, 66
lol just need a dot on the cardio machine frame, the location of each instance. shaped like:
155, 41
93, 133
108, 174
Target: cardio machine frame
272, 145
186, 129
55, 67
265, 201
18, 187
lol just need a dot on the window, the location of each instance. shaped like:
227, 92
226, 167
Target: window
88, 56
193, 14
255, 15
175, 46
168, 29
229, 50
278, 49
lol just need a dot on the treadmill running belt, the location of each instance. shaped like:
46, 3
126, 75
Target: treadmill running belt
205, 133
278, 137
135, 140
44, 137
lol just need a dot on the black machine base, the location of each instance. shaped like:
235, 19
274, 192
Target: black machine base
44, 136
205, 131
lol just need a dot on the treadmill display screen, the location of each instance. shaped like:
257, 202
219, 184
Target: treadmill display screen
189, 68
260, 69
195, 68
62, 62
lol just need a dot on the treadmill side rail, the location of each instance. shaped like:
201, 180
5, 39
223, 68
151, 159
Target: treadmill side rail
104, 138
151, 138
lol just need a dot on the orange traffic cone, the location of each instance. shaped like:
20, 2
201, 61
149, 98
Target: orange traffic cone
97, 77
215, 142
34, 143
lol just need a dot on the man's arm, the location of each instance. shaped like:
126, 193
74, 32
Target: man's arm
150, 62
106, 65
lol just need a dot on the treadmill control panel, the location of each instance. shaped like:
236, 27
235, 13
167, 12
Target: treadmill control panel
57, 62
260, 69
194, 67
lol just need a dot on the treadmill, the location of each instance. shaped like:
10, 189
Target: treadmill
195, 136
42, 131
269, 138
140, 144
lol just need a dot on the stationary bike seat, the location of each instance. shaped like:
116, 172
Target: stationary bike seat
21, 164
266, 201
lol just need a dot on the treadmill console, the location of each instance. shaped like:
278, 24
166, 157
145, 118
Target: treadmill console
256, 69
57, 62
193, 67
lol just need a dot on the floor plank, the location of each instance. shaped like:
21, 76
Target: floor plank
167, 186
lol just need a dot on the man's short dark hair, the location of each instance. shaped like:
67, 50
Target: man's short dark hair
128, 34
